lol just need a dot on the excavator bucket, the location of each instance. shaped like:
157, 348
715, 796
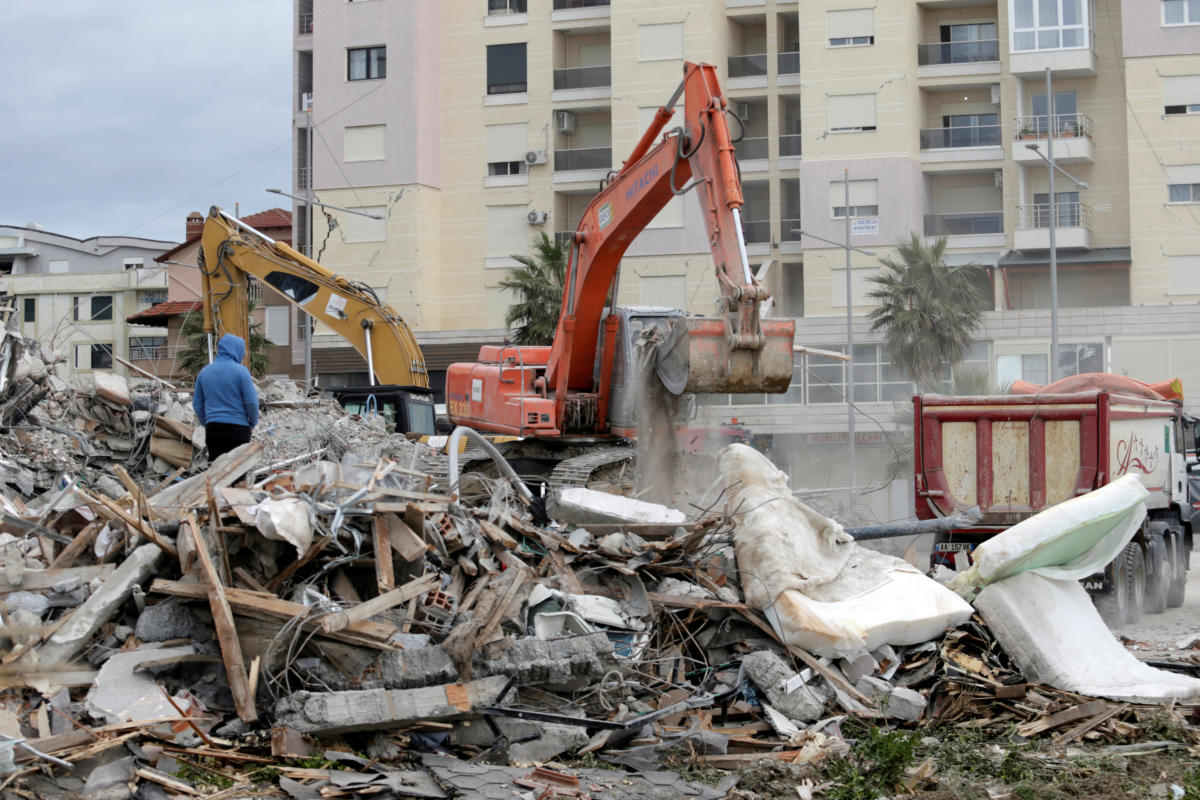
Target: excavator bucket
716, 366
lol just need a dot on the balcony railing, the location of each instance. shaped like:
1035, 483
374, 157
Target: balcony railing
154, 352
583, 158
750, 66
789, 144
789, 63
755, 148
582, 77
306, 24
970, 223
1065, 126
559, 5
756, 231
504, 7
1070, 215
790, 230
958, 52
965, 136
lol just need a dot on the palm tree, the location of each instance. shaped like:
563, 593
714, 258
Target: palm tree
194, 356
538, 285
926, 309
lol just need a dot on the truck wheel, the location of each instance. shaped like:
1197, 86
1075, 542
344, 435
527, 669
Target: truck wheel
1178, 568
1158, 574
1114, 605
1135, 580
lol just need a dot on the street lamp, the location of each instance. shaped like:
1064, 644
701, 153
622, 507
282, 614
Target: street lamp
849, 332
308, 235
1051, 168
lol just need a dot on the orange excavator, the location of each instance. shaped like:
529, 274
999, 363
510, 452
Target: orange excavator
580, 388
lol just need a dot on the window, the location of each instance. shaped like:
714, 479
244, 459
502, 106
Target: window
851, 28
276, 324
852, 112
1030, 367
95, 308
875, 380
148, 299
1181, 94
93, 356
29, 309
1181, 12
147, 348
1049, 24
1068, 209
1076, 359
864, 199
505, 147
970, 130
366, 63
1183, 193
663, 42
506, 68
502, 7
969, 32
134, 263
365, 143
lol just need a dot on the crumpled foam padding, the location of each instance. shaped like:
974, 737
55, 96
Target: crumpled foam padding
818, 588
1053, 633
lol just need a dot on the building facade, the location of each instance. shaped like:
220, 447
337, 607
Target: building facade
74, 294
475, 124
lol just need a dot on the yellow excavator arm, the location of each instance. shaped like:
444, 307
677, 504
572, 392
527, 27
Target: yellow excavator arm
230, 250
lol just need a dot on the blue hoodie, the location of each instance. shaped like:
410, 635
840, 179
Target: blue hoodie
224, 389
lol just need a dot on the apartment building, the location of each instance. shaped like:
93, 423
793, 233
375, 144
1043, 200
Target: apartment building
74, 294
474, 124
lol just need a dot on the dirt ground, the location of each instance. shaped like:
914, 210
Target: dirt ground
1163, 632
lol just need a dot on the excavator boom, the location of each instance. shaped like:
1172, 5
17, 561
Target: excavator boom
231, 251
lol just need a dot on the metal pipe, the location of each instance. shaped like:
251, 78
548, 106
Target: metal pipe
964, 519
849, 349
741, 241
237, 223
368, 326
501, 463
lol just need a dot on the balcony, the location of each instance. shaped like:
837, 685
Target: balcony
789, 145
1072, 62
582, 164
305, 24
788, 63
789, 230
749, 66
756, 231
1072, 138
958, 59
963, 143
969, 223
580, 10
1074, 229
582, 83
750, 150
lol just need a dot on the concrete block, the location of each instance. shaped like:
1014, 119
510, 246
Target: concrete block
771, 674
383, 709
119, 694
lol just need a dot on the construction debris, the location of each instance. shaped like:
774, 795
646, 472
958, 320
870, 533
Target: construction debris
320, 614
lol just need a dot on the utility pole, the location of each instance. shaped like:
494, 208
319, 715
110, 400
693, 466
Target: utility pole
308, 236
1053, 225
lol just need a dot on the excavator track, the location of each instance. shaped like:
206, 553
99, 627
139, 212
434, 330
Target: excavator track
579, 470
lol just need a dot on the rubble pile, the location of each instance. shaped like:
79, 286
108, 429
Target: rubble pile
318, 614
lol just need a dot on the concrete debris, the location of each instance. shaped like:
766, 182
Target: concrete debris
324, 584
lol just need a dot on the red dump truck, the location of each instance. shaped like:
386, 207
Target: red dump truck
1014, 455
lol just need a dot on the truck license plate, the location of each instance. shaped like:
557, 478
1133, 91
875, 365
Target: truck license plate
954, 547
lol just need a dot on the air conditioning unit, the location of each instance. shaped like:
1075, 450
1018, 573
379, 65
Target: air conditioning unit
995, 92
537, 217
744, 111
564, 121
998, 179
535, 157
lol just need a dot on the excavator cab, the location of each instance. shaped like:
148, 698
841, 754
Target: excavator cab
409, 408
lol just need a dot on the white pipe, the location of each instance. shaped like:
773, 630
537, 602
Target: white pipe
741, 240
508, 471
368, 327
238, 223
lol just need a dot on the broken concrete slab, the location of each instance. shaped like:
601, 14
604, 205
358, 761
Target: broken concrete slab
121, 694
73, 636
895, 702
383, 709
785, 689
583, 506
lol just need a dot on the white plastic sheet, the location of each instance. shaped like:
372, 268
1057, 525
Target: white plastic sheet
819, 589
286, 519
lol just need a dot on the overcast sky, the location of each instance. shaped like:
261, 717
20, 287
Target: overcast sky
119, 118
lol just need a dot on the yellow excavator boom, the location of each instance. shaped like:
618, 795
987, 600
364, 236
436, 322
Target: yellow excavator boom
230, 251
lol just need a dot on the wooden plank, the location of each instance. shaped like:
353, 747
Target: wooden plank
243, 575
404, 541
519, 581
275, 609
363, 611
231, 648
290, 570
1072, 714
1089, 724
385, 572
224, 471
107, 508
172, 451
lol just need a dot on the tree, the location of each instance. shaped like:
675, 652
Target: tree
538, 285
926, 309
193, 357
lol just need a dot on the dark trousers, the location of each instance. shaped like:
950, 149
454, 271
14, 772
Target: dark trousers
221, 437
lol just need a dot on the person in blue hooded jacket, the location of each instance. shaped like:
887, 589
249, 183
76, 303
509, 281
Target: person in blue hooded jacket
225, 400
